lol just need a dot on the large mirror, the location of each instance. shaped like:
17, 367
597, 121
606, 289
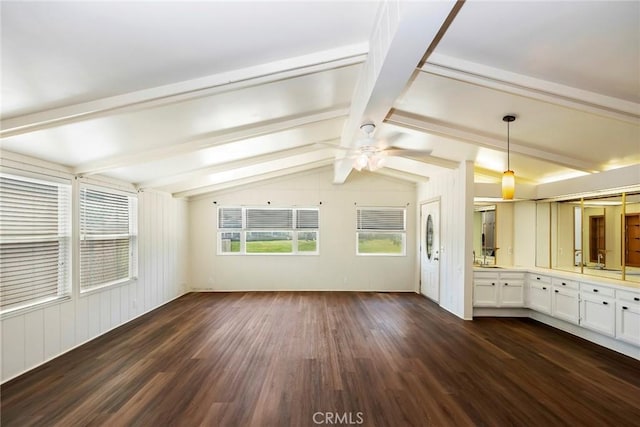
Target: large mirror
597, 236
566, 235
602, 236
631, 244
484, 234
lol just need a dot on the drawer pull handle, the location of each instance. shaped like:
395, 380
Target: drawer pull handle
564, 284
544, 289
625, 308
605, 303
595, 290
556, 291
493, 284
636, 299
506, 284
537, 278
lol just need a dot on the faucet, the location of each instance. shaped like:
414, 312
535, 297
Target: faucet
600, 264
474, 256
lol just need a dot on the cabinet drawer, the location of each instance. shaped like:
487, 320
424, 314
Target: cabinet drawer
536, 278
633, 297
586, 288
564, 283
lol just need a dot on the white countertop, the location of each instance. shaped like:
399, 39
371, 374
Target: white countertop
604, 277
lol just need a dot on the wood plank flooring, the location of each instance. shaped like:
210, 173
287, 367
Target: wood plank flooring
373, 359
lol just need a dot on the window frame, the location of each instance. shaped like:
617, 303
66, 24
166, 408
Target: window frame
132, 236
400, 232
244, 230
64, 237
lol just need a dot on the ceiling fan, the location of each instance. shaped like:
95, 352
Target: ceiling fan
371, 154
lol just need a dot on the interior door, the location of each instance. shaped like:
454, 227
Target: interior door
430, 250
632, 243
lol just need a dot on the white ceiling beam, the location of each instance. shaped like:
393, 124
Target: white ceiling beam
227, 166
529, 87
226, 136
189, 89
403, 33
255, 178
423, 124
400, 174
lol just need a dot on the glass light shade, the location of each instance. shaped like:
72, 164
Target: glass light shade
361, 162
508, 185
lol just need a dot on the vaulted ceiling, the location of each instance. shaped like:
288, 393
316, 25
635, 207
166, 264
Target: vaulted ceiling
192, 97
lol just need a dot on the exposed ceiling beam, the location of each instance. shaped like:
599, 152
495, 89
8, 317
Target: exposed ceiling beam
227, 166
529, 87
424, 124
189, 89
404, 31
399, 174
226, 136
255, 178
415, 167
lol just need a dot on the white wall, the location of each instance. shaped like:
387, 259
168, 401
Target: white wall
31, 337
336, 267
524, 234
455, 190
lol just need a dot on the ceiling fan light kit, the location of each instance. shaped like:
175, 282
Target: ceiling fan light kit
508, 177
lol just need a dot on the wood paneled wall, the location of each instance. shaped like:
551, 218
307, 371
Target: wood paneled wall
455, 191
34, 336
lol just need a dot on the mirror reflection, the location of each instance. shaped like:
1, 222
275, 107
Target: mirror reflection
484, 234
632, 237
602, 236
598, 236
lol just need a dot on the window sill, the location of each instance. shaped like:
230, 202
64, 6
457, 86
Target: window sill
19, 311
101, 288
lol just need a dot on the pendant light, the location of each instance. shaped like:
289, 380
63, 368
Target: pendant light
508, 177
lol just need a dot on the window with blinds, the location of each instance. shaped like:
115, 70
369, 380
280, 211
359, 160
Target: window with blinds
35, 241
381, 231
267, 230
108, 237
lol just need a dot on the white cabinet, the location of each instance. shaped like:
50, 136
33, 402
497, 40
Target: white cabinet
540, 293
511, 289
498, 289
628, 317
597, 309
485, 292
565, 301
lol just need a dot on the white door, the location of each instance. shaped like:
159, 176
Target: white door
430, 250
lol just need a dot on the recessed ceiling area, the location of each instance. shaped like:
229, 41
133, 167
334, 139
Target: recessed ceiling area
189, 97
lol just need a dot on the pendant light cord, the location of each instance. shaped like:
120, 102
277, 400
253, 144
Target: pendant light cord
508, 138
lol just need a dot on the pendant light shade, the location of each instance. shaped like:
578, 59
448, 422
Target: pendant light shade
508, 177
508, 185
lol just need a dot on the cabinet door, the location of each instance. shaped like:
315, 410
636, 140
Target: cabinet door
565, 304
598, 313
511, 293
485, 293
628, 322
540, 297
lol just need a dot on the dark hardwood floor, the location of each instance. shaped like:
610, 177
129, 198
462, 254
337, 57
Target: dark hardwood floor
296, 359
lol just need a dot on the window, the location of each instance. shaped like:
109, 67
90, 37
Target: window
266, 230
108, 237
35, 241
381, 231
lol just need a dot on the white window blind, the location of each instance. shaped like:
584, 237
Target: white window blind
306, 218
230, 218
108, 237
269, 218
35, 243
381, 219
